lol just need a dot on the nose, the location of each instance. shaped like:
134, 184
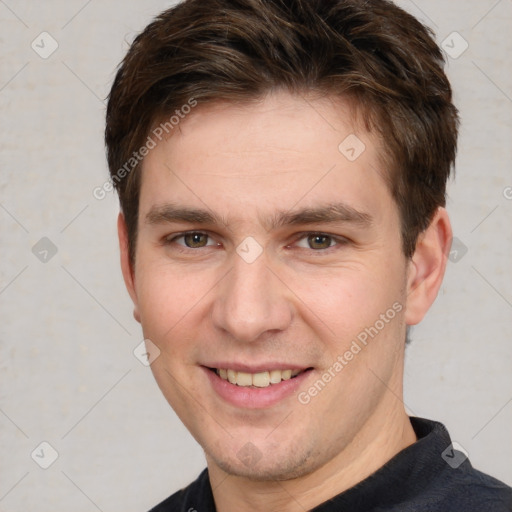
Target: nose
251, 301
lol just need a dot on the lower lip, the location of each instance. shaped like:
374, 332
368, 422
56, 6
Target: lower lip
252, 397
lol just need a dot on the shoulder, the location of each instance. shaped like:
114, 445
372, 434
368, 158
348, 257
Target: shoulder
469, 490
456, 486
195, 497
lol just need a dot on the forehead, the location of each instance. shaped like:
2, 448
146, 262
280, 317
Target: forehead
277, 152
278, 123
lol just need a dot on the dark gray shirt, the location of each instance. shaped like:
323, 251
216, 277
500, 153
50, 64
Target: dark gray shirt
428, 476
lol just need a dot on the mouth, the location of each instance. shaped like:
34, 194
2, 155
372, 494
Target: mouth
256, 380
260, 389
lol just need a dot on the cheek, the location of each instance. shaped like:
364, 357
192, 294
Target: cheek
343, 302
169, 300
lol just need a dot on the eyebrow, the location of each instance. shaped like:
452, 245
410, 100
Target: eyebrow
326, 214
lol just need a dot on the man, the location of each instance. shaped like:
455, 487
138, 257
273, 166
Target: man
281, 167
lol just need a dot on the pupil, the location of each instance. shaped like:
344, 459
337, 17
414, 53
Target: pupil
321, 240
194, 240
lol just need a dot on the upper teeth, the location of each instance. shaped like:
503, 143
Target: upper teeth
260, 380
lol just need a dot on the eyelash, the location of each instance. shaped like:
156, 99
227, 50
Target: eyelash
339, 240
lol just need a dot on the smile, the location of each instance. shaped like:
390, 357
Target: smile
259, 380
258, 389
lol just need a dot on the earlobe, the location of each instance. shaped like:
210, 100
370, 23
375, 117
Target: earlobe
427, 267
126, 266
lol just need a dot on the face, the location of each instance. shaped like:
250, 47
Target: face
266, 252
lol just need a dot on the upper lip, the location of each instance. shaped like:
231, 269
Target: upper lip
255, 368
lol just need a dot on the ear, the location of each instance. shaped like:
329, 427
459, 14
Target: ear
126, 266
427, 267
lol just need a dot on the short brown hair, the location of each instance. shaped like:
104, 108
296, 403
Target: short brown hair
239, 50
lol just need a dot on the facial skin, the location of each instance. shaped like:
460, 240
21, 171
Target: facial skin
300, 304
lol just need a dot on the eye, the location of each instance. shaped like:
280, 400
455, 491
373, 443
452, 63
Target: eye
319, 241
192, 240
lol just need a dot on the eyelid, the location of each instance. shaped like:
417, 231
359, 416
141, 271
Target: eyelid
340, 240
167, 240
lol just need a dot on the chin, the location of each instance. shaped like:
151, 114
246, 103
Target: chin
264, 468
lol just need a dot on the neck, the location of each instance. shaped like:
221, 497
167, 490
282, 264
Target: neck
386, 432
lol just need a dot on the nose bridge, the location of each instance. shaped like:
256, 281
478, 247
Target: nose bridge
251, 300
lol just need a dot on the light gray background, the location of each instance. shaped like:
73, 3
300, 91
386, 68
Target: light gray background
68, 374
